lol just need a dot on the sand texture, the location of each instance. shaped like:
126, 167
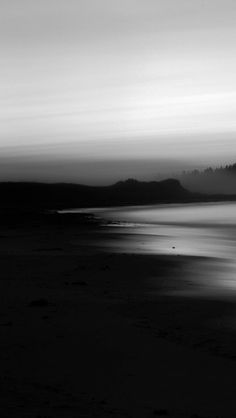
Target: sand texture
85, 332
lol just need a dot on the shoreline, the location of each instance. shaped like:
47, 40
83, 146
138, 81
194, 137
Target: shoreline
83, 333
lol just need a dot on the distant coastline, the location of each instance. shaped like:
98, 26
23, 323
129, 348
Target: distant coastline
29, 196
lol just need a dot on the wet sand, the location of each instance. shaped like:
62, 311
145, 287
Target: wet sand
86, 332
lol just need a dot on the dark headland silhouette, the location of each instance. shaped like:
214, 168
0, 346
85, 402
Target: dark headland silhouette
31, 195
66, 195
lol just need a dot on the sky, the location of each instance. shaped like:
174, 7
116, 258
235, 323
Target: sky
96, 90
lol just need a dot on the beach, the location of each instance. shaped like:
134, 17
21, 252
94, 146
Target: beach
87, 331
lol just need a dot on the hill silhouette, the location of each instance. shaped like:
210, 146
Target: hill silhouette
65, 195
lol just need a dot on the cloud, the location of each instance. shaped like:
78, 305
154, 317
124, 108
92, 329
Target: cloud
105, 75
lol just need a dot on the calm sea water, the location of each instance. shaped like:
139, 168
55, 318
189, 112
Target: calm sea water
206, 232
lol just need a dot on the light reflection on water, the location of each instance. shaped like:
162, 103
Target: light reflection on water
207, 232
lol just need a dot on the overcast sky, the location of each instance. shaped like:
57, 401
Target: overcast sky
114, 81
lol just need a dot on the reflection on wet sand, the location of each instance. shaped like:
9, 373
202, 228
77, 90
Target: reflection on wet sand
204, 232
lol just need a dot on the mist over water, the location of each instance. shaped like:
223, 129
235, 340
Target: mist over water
204, 233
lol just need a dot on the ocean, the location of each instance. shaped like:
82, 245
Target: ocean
203, 232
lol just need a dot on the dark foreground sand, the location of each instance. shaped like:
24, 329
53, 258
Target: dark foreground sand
84, 334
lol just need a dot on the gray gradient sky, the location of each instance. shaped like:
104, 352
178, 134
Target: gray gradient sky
109, 82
